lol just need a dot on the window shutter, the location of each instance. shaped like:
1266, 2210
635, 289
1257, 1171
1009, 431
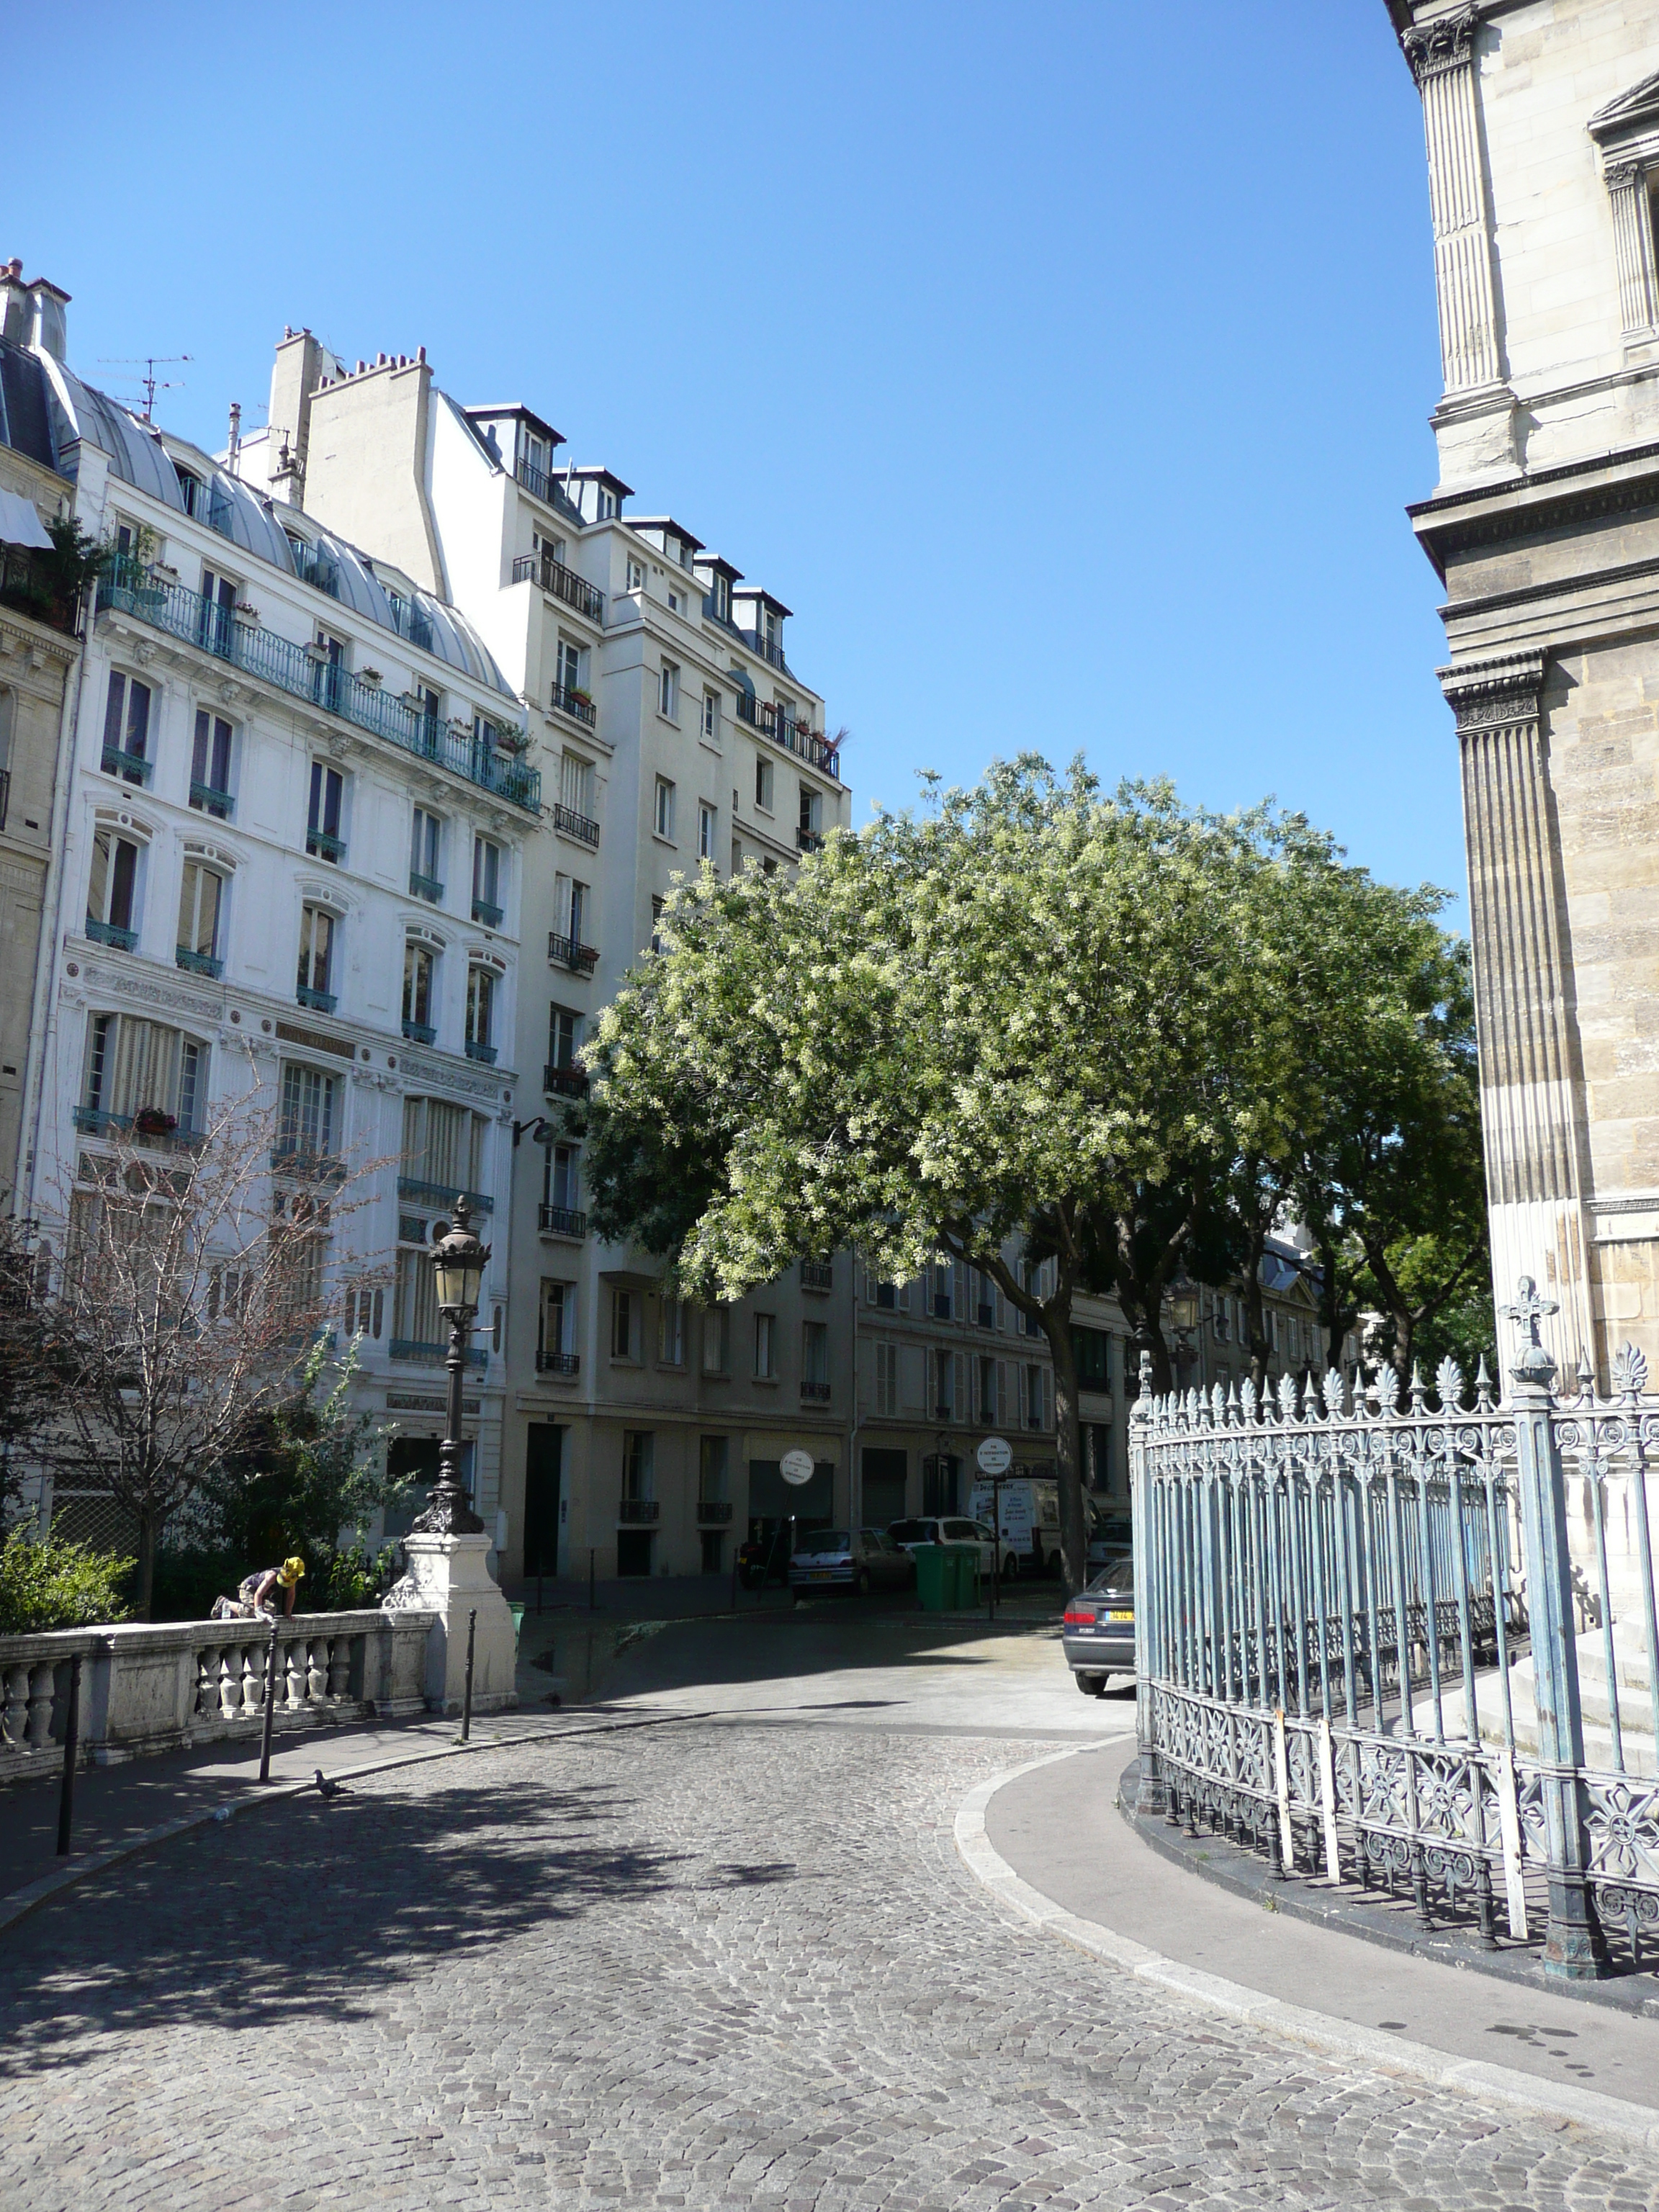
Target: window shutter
959, 1405
912, 1377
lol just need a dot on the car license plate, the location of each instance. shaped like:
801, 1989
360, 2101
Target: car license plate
1120, 1616
820, 1574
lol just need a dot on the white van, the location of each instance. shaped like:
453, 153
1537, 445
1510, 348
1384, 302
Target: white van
1029, 1509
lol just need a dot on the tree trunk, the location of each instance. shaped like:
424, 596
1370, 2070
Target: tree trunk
1068, 1446
149, 1530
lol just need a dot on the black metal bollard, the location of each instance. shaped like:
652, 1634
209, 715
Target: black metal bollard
71, 1744
466, 1695
271, 1705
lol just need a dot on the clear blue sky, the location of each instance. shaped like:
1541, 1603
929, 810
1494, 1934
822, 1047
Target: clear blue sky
1066, 368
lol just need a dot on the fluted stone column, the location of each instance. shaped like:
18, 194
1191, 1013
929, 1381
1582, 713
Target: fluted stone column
1529, 1092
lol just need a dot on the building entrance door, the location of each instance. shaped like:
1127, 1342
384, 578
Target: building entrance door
941, 1483
543, 1482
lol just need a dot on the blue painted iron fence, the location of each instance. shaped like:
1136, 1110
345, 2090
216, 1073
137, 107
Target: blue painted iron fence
1413, 1647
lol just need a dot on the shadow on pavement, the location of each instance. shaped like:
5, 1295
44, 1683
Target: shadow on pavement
365, 1890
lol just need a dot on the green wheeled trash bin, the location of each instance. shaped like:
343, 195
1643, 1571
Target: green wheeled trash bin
961, 1577
933, 1561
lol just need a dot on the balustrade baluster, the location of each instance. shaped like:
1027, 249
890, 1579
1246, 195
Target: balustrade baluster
17, 1706
316, 1670
253, 1678
339, 1667
294, 1657
39, 1725
230, 1683
206, 1704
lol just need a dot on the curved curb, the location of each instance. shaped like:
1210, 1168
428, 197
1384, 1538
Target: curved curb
1340, 2039
19, 1903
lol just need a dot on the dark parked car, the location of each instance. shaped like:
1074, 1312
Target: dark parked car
1098, 1630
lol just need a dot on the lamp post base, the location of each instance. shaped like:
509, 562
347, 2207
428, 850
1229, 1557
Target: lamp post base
447, 1574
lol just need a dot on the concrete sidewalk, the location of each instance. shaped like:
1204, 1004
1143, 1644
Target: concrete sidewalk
1058, 1828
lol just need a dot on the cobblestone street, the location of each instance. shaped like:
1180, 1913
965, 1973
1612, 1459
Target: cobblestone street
691, 1964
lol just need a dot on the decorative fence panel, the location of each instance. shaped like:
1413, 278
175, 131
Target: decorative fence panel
1413, 1646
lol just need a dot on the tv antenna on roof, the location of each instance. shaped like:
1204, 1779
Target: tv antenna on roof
151, 382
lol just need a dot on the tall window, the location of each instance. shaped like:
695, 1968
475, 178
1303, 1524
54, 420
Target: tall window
562, 1186
713, 1465
765, 1347
988, 1392
815, 1357
316, 927
415, 1317
622, 1324
944, 1397
668, 690
707, 831
576, 784
711, 716
716, 1340
664, 822
811, 810
557, 1327
419, 964
136, 1067
564, 1030
425, 855
443, 1147
328, 670
569, 665
323, 838
638, 1464
671, 1332
200, 899
481, 1013
577, 910
1035, 1397
210, 765
486, 878
887, 1389
763, 786
112, 889
126, 728
305, 1118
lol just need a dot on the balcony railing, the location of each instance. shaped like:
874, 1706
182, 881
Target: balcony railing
131, 767
783, 730
818, 1275
291, 668
637, 1512
487, 913
562, 583
420, 1033
565, 1082
426, 887
562, 1221
818, 1391
558, 1363
207, 800
443, 1193
144, 1127
324, 845
111, 933
485, 1054
430, 1355
767, 650
320, 1002
199, 963
546, 487
575, 825
809, 841
569, 952
289, 1155
577, 704
714, 1512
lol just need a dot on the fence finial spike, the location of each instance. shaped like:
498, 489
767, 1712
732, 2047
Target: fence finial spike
1482, 1387
1526, 1309
1419, 1389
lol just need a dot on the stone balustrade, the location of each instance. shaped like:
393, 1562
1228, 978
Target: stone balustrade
149, 1688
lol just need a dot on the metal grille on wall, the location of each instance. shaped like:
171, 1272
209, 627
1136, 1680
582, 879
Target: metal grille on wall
1413, 1647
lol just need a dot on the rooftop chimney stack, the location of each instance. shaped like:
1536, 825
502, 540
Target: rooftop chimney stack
48, 328
14, 307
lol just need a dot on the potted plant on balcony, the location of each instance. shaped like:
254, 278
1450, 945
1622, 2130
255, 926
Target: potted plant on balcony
513, 741
582, 698
152, 1121
371, 676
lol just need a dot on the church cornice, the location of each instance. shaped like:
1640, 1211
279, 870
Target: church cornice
1536, 506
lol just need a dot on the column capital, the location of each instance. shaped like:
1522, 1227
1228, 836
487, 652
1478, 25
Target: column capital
1445, 44
1495, 693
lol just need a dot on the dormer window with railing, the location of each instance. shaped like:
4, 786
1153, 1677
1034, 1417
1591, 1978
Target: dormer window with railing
145, 1079
204, 499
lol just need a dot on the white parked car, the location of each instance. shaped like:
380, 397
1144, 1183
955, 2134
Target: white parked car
954, 1528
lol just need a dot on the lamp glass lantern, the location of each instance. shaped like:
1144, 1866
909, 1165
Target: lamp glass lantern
458, 1261
1183, 1303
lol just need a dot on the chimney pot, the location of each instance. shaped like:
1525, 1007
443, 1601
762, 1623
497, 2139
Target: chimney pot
420, 353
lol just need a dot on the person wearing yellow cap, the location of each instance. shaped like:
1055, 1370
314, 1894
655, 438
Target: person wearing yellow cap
255, 1595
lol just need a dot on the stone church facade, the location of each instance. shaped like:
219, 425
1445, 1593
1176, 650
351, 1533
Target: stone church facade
1542, 123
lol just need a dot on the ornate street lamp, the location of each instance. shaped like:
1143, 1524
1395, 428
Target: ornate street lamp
458, 1261
1183, 1317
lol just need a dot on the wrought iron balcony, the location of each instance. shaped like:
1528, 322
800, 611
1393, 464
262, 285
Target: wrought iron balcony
320, 1002
147, 1126
324, 845
569, 952
111, 933
207, 800
809, 841
637, 1512
581, 826
794, 737
292, 1156
131, 767
420, 1033
817, 1274
483, 1053
489, 914
426, 887
562, 1221
558, 1363
443, 1193
577, 704
431, 1355
819, 1392
199, 963
562, 583
565, 1082
548, 488
768, 651
149, 597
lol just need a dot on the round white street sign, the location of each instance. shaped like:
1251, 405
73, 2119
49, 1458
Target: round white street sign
995, 1455
796, 1467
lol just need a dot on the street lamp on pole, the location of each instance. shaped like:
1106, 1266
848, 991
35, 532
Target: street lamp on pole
1183, 1317
458, 1261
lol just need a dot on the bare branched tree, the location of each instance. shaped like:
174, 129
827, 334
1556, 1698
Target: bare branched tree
195, 1279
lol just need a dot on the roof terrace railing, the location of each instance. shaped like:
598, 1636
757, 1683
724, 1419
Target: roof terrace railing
547, 486
564, 583
303, 673
783, 730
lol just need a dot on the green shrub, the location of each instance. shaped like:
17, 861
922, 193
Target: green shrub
352, 1579
188, 1580
56, 1585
